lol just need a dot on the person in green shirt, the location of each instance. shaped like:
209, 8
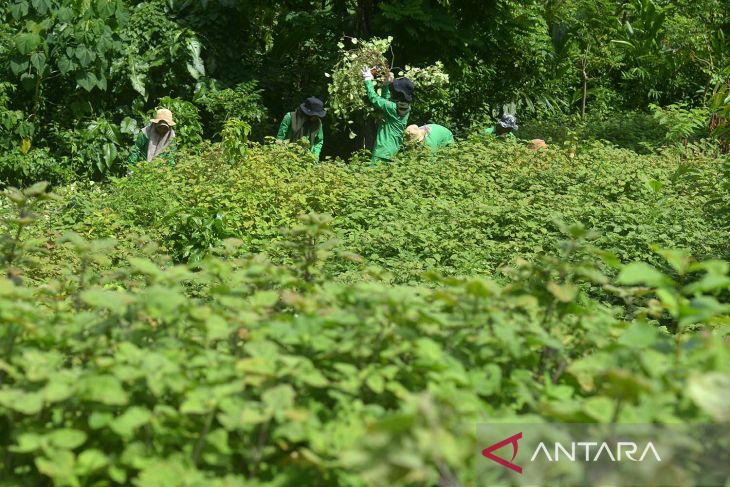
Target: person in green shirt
432, 135
395, 109
305, 122
156, 139
504, 129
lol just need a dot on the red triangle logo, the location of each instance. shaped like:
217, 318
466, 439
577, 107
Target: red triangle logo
487, 452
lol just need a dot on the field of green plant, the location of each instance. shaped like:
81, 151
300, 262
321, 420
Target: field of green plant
252, 318
262, 320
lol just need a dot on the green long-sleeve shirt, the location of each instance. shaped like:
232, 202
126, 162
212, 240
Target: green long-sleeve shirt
493, 131
438, 136
139, 151
390, 131
286, 133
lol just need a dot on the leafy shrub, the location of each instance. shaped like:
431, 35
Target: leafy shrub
242, 102
637, 131
96, 150
681, 122
18, 169
434, 102
719, 105
239, 371
15, 130
163, 57
235, 137
469, 210
347, 95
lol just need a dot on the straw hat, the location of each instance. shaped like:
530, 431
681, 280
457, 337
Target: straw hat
415, 133
163, 115
537, 144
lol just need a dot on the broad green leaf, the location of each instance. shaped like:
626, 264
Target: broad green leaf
564, 293
90, 461
711, 392
58, 465
65, 65
99, 419
641, 273
376, 383
85, 56
117, 474
137, 80
600, 408
126, 424
66, 438
105, 8
198, 401
27, 43
145, 266
86, 80
19, 65
196, 68
28, 443
19, 9
105, 389
169, 473
41, 6
218, 328
38, 60
36, 189
56, 391
639, 335
218, 439
65, 14
313, 377
162, 300
279, 398
114, 301
680, 260
28, 403
128, 126
264, 299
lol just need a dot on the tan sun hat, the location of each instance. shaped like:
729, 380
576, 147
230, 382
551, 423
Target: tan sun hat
163, 115
536, 144
415, 133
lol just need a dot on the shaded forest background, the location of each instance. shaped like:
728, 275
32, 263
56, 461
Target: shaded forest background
79, 77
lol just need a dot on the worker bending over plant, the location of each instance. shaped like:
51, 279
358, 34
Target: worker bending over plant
395, 107
504, 128
432, 135
305, 122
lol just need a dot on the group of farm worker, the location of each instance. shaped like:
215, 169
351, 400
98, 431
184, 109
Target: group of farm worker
394, 104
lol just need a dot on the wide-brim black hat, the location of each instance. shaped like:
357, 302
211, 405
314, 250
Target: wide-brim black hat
314, 107
508, 121
405, 87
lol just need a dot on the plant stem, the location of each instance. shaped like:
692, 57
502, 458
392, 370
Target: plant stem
201, 439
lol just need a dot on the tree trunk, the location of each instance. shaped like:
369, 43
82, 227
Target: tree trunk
365, 11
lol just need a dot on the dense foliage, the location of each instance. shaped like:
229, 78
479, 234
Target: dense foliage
121, 367
250, 317
77, 79
467, 210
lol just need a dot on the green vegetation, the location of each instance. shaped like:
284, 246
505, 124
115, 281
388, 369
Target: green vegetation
359, 348
250, 317
78, 78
